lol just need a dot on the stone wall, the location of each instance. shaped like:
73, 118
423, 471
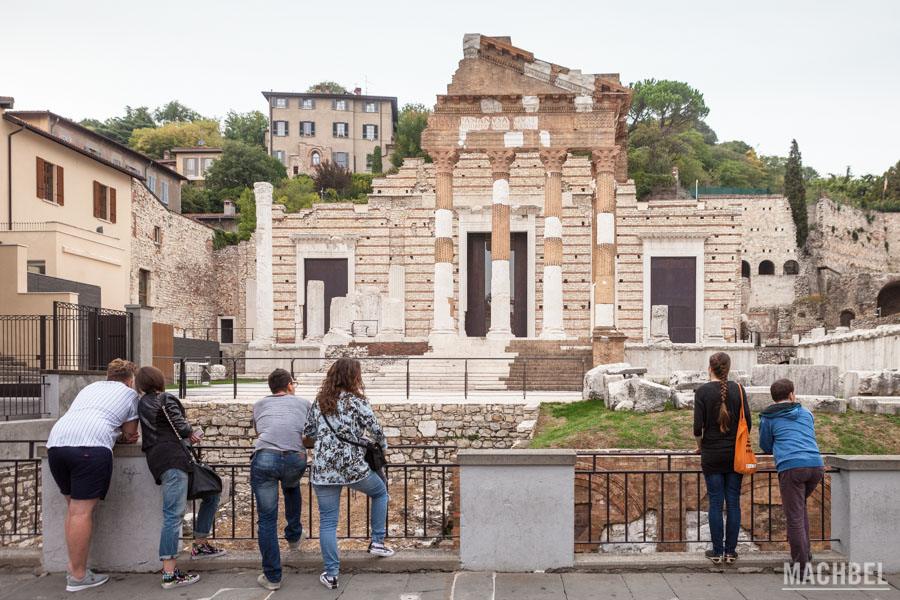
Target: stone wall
183, 285
843, 238
678, 223
235, 270
17, 520
863, 350
458, 425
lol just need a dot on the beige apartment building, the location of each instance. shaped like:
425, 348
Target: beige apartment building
193, 162
68, 213
306, 129
163, 181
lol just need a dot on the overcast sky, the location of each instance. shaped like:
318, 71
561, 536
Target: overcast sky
825, 72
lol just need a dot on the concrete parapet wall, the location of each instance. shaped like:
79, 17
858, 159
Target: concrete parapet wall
861, 350
126, 524
864, 510
63, 386
809, 380
517, 510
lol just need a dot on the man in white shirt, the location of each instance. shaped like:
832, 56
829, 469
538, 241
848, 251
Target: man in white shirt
79, 452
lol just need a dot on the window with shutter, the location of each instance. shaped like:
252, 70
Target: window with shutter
112, 204
60, 196
97, 202
39, 170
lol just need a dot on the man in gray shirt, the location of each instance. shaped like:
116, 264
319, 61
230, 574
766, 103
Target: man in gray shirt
279, 458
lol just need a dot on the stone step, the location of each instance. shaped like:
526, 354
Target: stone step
879, 405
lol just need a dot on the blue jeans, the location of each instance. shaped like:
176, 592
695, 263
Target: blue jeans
329, 497
724, 488
267, 470
175, 489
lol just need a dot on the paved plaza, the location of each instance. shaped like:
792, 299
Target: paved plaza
446, 586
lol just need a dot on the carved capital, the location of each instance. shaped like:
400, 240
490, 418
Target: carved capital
501, 161
603, 160
553, 160
444, 160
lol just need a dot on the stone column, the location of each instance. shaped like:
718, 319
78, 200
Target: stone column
264, 330
500, 160
315, 310
608, 342
604, 247
444, 161
553, 294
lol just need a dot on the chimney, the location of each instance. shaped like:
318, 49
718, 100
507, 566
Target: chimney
357, 91
228, 208
166, 155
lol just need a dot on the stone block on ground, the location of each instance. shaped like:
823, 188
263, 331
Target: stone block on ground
809, 380
824, 404
639, 395
218, 372
595, 383
871, 383
879, 405
684, 399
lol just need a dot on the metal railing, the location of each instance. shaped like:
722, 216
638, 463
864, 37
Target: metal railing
235, 335
421, 507
404, 375
617, 493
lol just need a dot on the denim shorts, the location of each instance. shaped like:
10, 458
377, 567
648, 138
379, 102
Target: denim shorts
81, 472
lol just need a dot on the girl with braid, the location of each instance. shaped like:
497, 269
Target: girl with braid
716, 412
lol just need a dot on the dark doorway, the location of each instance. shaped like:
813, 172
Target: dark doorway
226, 330
888, 300
673, 283
332, 271
478, 295
847, 317
767, 267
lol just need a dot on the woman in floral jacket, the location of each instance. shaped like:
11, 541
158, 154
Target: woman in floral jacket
338, 420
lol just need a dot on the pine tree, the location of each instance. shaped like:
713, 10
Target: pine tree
377, 163
795, 191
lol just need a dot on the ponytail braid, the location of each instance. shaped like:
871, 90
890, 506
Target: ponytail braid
720, 364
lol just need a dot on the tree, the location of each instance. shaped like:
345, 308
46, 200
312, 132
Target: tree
249, 127
119, 129
296, 193
175, 112
331, 176
155, 141
327, 87
195, 199
408, 138
377, 163
795, 191
673, 105
240, 166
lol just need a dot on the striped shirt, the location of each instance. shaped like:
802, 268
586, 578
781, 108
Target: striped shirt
96, 416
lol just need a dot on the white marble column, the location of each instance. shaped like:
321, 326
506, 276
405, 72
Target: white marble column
263, 332
500, 160
442, 305
552, 328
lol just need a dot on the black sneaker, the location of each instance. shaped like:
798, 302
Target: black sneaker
731, 558
178, 579
328, 581
714, 557
206, 550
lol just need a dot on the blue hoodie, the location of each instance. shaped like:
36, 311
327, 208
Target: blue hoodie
786, 430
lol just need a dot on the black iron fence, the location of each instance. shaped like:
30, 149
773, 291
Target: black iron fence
421, 482
405, 376
73, 338
659, 499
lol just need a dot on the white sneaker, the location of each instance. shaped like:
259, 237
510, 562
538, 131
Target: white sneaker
90, 580
380, 550
264, 582
328, 581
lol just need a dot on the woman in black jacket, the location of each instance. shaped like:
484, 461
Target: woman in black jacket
717, 408
164, 429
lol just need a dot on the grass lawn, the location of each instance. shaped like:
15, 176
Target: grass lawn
589, 424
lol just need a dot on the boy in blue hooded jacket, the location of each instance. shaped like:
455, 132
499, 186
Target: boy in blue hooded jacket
786, 429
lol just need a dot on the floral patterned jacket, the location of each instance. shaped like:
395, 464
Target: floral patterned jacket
336, 462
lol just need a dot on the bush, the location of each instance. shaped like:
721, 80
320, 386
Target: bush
328, 175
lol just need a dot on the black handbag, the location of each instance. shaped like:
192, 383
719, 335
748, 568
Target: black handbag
374, 456
203, 481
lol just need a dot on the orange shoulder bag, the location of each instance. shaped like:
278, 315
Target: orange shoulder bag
744, 457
